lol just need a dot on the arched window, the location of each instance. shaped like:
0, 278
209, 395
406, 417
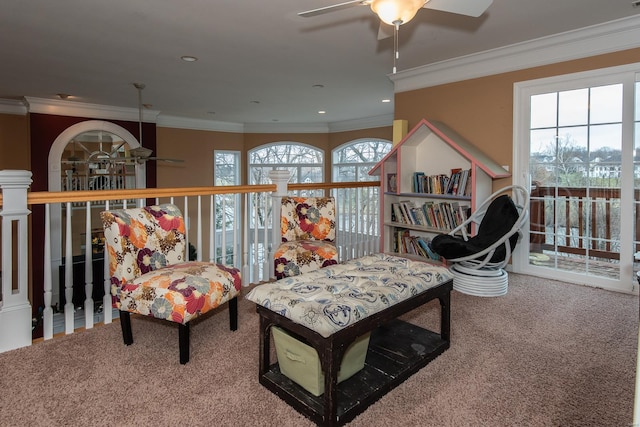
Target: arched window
353, 161
305, 163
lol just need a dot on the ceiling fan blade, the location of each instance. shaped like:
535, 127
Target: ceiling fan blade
326, 9
473, 8
162, 159
385, 31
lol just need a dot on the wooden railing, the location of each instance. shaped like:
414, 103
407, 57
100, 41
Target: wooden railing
232, 225
588, 218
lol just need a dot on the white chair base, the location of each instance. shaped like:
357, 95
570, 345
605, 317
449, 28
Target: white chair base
480, 282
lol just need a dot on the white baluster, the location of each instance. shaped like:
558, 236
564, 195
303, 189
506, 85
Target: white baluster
106, 300
223, 236
47, 314
245, 243
69, 321
187, 224
267, 264
236, 210
199, 246
256, 265
88, 269
212, 228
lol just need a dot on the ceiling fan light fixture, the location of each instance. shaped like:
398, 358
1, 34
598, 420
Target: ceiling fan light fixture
396, 12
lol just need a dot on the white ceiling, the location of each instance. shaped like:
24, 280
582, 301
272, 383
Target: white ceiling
251, 50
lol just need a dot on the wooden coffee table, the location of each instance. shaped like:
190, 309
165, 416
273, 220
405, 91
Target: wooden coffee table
397, 350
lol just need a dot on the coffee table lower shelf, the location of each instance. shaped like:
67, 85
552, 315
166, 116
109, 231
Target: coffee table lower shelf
396, 351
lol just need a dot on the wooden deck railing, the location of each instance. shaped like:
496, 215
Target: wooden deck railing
586, 217
232, 225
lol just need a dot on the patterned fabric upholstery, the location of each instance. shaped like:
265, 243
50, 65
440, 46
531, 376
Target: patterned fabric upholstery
150, 275
308, 229
338, 296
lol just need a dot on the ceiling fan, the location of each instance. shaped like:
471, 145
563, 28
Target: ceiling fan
142, 154
103, 160
398, 12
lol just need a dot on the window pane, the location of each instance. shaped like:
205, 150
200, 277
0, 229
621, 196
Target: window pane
345, 173
544, 110
573, 107
606, 104
543, 141
605, 138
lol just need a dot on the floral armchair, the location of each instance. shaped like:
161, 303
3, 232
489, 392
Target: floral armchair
151, 277
308, 229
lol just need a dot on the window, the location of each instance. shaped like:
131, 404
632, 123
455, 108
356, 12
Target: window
353, 161
226, 167
305, 163
226, 171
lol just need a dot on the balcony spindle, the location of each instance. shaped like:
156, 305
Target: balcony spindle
47, 314
106, 300
69, 309
88, 270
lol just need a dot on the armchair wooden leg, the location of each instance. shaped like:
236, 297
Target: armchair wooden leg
233, 314
183, 338
125, 323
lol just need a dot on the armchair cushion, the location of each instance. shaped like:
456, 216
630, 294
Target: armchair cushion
149, 273
310, 218
308, 230
180, 292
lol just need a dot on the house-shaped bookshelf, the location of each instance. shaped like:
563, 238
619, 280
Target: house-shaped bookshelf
429, 150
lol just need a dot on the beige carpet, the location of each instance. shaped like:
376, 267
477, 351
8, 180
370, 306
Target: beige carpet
546, 354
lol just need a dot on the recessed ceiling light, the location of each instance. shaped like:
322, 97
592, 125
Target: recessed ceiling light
318, 86
322, 112
63, 95
275, 120
386, 100
188, 58
254, 102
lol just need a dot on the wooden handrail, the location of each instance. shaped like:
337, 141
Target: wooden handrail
43, 197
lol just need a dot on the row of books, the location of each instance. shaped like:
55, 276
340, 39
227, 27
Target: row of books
404, 243
457, 184
438, 215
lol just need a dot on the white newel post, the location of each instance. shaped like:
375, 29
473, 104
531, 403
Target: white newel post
280, 178
15, 309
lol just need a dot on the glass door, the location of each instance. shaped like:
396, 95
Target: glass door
582, 169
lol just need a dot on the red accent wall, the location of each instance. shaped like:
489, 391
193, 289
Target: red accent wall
44, 129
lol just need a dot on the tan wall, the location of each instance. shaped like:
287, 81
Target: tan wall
15, 151
481, 110
195, 147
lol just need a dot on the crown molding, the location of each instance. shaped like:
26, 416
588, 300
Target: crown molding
364, 123
10, 106
198, 124
599, 39
286, 128
93, 111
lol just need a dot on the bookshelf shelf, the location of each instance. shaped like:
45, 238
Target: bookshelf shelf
428, 158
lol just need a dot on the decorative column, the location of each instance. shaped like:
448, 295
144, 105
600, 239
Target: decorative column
15, 309
280, 178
